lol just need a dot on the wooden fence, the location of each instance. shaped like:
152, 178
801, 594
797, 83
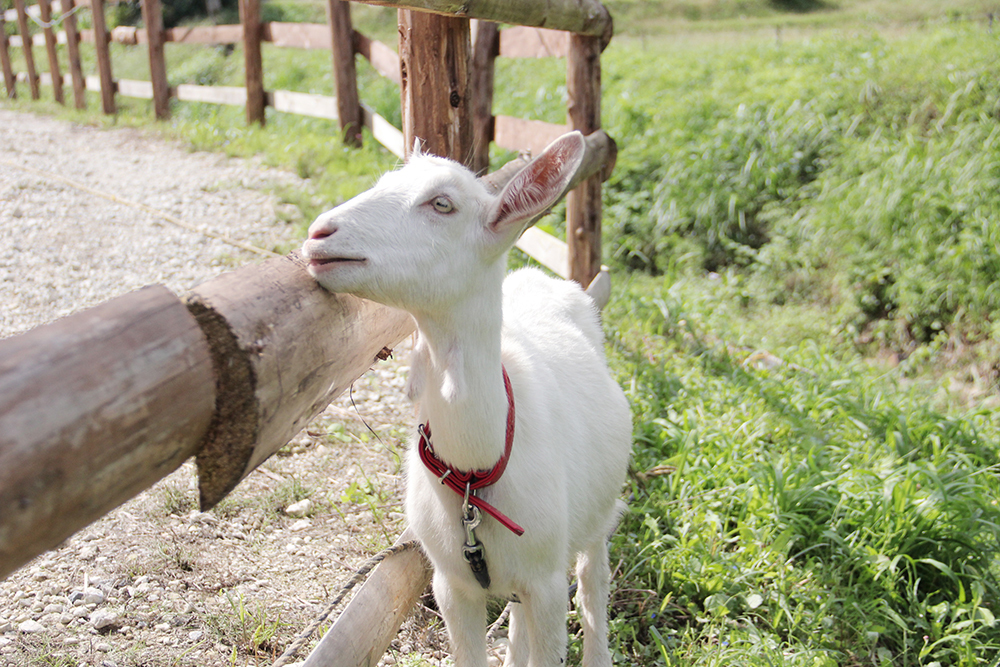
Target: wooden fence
98, 406
446, 54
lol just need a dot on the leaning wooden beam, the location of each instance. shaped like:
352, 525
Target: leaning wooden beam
26, 44
95, 408
283, 348
584, 17
45, 13
364, 630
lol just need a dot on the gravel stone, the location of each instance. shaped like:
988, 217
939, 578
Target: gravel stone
30, 627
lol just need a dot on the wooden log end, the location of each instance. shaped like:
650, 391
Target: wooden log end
229, 444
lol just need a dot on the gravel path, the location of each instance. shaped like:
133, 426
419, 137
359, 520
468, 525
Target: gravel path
156, 582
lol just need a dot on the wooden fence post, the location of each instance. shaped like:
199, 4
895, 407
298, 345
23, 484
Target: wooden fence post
29, 58
485, 50
103, 53
583, 205
45, 14
434, 53
8, 72
253, 63
345, 74
152, 16
73, 53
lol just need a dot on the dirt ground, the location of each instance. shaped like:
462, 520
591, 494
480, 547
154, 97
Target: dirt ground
156, 582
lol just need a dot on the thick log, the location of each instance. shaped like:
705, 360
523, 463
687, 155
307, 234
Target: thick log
283, 348
367, 626
100, 30
525, 42
45, 14
26, 44
253, 62
584, 17
345, 74
152, 17
8, 72
94, 408
583, 205
73, 54
435, 53
486, 46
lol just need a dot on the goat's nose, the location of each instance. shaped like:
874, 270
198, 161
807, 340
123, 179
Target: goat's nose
322, 231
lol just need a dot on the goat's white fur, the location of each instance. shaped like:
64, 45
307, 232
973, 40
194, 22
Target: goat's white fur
430, 238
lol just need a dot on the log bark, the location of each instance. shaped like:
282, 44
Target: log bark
103, 56
345, 75
26, 45
253, 63
584, 17
434, 53
283, 348
95, 408
484, 54
583, 205
8, 72
45, 14
152, 16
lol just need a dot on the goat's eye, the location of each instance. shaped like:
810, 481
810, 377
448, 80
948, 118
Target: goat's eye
442, 205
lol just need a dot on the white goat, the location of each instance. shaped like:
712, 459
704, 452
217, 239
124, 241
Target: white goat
430, 238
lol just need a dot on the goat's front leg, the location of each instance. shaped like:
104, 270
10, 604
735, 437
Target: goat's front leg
594, 577
517, 635
545, 616
465, 618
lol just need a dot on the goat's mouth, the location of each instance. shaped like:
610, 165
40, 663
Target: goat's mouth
324, 262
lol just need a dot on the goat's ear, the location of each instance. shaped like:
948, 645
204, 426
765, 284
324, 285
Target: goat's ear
538, 186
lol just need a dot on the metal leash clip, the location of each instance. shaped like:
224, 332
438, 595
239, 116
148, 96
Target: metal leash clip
472, 550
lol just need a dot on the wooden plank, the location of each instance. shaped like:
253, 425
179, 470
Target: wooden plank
214, 35
45, 12
26, 47
367, 626
518, 134
303, 104
284, 347
9, 81
211, 94
546, 249
527, 42
584, 17
297, 35
73, 54
95, 408
435, 52
486, 46
384, 132
131, 88
152, 17
103, 56
583, 205
345, 74
253, 63
381, 56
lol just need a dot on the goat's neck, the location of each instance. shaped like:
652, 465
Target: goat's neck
458, 381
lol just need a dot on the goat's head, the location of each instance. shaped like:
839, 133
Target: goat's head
427, 232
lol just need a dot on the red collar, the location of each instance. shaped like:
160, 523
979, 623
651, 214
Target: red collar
460, 481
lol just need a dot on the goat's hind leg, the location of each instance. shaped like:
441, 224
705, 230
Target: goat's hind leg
594, 579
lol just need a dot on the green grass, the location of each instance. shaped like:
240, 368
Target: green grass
802, 226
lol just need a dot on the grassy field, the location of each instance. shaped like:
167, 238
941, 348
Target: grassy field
803, 229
